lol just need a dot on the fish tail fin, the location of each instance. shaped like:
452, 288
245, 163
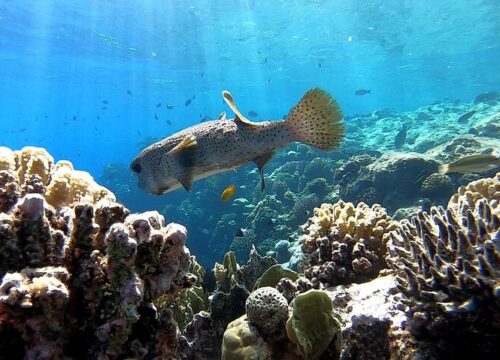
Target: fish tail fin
316, 120
443, 169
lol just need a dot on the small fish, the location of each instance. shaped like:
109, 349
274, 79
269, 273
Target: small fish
268, 80
129, 92
170, 107
361, 92
252, 113
228, 193
319, 64
158, 105
202, 74
98, 117
217, 146
168, 122
265, 60
105, 102
104, 108
466, 116
400, 138
156, 116
476, 163
74, 118
22, 130
193, 97
188, 102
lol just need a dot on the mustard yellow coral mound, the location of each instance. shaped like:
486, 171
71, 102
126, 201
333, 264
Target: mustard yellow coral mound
488, 188
33, 161
243, 342
34, 170
69, 186
361, 222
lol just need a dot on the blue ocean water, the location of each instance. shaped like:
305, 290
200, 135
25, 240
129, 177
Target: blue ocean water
91, 80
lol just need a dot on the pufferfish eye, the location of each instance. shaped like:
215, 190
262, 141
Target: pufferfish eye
136, 168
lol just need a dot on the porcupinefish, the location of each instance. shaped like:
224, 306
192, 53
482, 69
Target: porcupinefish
220, 145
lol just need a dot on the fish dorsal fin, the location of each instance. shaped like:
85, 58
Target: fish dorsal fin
222, 116
185, 153
186, 143
261, 161
228, 98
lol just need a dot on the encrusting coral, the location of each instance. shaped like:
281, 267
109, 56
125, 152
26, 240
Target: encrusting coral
448, 266
343, 244
79, 273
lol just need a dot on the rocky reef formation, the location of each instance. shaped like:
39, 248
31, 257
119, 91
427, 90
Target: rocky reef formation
79, 273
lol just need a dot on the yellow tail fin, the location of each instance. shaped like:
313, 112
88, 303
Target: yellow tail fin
317, 120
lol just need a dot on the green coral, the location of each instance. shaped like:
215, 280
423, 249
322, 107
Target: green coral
273, 275
226, 274
312, 325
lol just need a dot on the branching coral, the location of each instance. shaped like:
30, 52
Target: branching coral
448, 263
344, 244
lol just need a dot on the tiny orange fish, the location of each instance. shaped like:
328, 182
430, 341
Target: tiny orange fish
228, 193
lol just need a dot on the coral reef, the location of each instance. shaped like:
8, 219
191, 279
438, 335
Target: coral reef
448, 267
85, 272
344, 244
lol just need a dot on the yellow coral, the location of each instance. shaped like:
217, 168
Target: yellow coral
488, 188
361, 221
242, 342
7, 160
33, 161
70, 186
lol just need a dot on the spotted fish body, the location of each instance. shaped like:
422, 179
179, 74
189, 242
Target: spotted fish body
220, 145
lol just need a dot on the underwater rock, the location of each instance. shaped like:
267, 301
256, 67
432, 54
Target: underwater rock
282, 252
344, 244
372, 320
448, 267
83, 272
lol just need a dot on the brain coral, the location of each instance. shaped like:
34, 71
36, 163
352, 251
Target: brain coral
79, 273
344, 244
448, 266
267, 309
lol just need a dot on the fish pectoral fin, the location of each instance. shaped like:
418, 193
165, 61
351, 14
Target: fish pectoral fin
240, 119
261, 161
186, 180
186, 143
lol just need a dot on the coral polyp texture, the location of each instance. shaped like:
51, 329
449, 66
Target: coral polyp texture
448, 267
343, 243
80, 273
